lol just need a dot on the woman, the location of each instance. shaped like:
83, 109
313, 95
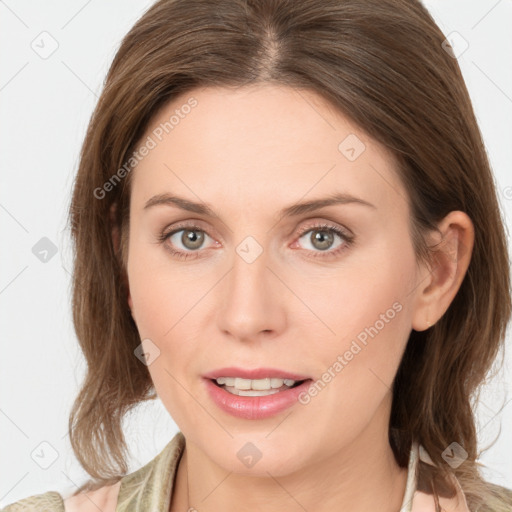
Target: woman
286, 228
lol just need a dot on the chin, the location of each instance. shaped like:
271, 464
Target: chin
256, 456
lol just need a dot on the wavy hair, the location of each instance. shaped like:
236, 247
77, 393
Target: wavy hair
382, 64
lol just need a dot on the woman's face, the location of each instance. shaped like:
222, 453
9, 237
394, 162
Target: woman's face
263, 290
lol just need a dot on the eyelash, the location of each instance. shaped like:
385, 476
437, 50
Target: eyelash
348, 240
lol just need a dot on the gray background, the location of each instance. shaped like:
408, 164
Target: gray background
46, 102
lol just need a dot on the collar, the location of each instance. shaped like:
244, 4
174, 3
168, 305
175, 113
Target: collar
416, 501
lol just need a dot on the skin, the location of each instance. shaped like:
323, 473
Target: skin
287, 309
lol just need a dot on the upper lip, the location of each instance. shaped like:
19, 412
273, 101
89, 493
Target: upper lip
255, 373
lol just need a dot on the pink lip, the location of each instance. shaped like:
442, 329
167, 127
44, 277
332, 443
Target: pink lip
256, 373
254, 407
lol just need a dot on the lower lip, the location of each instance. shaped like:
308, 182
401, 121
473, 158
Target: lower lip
255, 407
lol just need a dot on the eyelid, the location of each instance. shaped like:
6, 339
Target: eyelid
327, 224
310, 224
344, 233
186, 224
193, 225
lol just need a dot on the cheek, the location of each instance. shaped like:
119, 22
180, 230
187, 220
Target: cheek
167, 299
161, 317
369, 314
165, 306
160, 289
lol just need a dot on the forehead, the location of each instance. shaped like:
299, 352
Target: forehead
259, 140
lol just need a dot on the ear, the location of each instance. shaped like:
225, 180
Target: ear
439, 282
116, 242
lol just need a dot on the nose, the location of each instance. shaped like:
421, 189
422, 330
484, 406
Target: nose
252, 296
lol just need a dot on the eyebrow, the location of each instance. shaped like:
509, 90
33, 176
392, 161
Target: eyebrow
290, 211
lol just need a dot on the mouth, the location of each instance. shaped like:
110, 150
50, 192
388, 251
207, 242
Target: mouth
256, 387
236, 396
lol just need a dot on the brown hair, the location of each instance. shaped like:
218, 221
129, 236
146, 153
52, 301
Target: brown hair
379, 62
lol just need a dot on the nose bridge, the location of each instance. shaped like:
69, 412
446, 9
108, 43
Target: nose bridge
251, 299
250, 275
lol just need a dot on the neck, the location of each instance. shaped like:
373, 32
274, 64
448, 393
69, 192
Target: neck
362, 476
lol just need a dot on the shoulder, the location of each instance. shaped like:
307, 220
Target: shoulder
504, 494
500, 489
156, 476
104, 499
50, 501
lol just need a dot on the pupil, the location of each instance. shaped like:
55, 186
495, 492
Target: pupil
322, 237
192, 239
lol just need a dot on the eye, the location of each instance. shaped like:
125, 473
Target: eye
191, 238
322, 237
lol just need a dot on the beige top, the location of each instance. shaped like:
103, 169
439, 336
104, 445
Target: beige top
150, 487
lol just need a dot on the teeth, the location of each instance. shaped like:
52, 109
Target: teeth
242, 383
266, 384
252, 392
277, 383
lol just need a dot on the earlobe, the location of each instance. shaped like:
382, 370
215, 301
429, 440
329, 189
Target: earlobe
440, 282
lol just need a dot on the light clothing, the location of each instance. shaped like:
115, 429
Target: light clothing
150, 487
